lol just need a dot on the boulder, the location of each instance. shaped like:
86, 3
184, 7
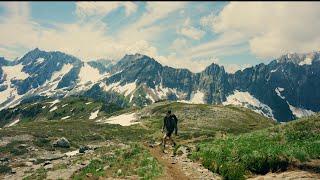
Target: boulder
83, 149
62, 142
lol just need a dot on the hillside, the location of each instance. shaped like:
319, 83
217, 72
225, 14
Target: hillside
28, 150
293, 145
201, 121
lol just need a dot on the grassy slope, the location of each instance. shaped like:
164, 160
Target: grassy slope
204, 121
196, 122
272, 149
74, 107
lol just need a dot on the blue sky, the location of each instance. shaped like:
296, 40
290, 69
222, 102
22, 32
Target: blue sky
179, 34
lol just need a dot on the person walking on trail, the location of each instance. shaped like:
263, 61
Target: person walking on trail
170, 122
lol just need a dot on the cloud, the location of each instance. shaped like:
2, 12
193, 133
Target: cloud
179, 44
190, 31
158, 10
100, 9
193, 65
87, 40
227, 43
272, 29
207, 21
145, 27
232, 68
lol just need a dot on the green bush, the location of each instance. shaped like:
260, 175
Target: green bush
5, 169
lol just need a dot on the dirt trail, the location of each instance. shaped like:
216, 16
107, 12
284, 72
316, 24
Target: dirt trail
180, 166
172, 171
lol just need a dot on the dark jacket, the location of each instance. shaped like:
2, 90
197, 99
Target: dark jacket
170, 123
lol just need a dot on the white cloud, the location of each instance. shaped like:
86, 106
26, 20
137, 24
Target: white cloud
85, 39
100, 9
224, 44
184, 62
189, 31
273, 29
232, 68
192, 32
144, 27
207, 21
157, 11
179, 44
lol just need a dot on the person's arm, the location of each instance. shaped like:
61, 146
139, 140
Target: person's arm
176, 124
164, 124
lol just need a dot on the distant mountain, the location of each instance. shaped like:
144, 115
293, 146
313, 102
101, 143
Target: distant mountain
284, 89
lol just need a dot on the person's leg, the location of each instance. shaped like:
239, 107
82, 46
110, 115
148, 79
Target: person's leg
172, 141
164, 139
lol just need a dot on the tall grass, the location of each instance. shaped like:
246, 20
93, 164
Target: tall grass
260, 152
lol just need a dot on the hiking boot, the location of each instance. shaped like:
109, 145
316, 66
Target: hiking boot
174, 144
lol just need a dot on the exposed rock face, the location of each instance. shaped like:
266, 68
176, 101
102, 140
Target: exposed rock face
62, 142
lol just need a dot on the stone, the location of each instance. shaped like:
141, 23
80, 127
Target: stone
5, 159
99, 169
106, 167
49, 166
84, 163
183, 150
28, 164
62, 142
46, 163
119, 172
89, 175
33, 160
83, 149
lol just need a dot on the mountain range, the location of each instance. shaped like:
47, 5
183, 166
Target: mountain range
284, 89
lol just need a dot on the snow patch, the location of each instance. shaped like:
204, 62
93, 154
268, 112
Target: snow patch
14, 72
123, 119
66, 117
278, 90
53, 109
300, 112
126, 89
13, 123
39, 60
273, 70
64, 70
148, 96
88, 74
87, 103
64, 105
246, 100
54, 102
197, 98
162, 92
94, 115
306, 61
50, 85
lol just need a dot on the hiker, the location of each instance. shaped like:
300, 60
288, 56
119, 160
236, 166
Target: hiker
170, 122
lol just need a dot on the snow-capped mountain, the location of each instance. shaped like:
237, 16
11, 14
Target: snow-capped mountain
284, 89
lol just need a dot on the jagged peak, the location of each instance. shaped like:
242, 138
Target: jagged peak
299, 58
213, 67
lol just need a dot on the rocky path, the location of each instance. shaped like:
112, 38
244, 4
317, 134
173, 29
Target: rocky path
180, 166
